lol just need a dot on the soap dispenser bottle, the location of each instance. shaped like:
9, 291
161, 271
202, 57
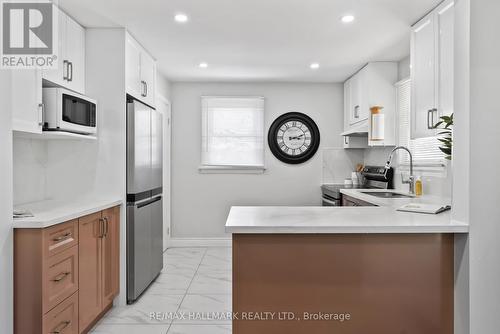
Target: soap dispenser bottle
418, 187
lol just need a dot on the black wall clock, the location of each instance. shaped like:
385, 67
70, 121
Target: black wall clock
293, 138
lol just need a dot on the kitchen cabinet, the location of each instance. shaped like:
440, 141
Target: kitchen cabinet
355, 142
70, 72
90, 294
432, 70
371, 86
99, 264
140, 72
110, 255
27, 104
66, 275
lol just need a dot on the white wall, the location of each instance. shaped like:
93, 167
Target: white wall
484, 245
201, 202
163, 86
6, 233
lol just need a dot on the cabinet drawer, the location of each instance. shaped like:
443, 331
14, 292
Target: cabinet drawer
62, 319
60, 237
60, 278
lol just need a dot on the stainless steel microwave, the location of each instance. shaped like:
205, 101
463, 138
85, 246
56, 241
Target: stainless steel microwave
65, 110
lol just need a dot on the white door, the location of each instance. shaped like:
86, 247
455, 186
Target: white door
148, 78
445, 28
27, 105
133, 68
423, 78
59, 75
163, 105
75, 54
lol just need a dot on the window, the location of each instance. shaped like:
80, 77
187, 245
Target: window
425, 151
232, 133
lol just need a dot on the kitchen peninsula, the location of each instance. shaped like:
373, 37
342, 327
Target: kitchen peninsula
390, 271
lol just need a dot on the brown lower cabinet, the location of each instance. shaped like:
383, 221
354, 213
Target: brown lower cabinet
67, 275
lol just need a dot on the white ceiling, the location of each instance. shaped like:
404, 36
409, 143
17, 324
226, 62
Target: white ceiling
260, 40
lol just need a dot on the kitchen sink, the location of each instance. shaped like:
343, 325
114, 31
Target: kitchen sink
386, 194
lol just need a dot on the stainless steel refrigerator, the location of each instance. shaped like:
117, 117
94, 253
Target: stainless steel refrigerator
144, 197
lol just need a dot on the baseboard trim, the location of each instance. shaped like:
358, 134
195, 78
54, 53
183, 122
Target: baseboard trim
199, 242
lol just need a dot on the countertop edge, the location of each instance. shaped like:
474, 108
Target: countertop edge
32, 222
350, 230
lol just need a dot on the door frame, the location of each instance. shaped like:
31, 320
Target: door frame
164, 106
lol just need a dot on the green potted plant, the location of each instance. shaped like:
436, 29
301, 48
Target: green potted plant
446, 135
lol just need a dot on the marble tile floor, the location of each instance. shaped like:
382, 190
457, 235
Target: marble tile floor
194, 283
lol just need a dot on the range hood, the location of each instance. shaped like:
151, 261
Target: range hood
358, 130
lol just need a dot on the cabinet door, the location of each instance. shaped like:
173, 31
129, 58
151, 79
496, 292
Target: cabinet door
133, 68
355, 104
148, 77
27, 105
347, 104
90, 230
445, 29
59, 76
111, 255
75, 54
423, 78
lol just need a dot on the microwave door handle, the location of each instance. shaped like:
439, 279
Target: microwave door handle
70, 71
65, 70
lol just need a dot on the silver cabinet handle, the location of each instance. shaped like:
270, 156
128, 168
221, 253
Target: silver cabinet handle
62, 237
106, 226
61, 327
60, 277
143, 93
146, 86
346, 141
430, 118
356, 111
65, 70
41, 111
101, 228
70, 71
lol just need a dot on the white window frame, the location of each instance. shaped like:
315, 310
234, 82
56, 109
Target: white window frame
427, 167
231, 169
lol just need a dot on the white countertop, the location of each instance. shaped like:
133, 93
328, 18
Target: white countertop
381, 219
52, 212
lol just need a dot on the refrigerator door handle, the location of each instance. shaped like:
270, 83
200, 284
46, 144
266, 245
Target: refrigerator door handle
150, 201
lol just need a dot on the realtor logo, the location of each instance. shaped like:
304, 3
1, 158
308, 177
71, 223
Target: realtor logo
29, 34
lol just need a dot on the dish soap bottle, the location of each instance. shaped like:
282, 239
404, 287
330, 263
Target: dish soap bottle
418, 187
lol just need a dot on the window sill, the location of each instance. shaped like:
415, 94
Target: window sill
231, 170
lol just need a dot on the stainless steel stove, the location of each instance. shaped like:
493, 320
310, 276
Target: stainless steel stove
375, 177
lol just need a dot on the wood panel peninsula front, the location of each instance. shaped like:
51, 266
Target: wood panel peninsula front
343, 270
66, 267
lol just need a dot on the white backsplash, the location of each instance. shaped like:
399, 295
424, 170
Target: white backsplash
30, 164
338, 164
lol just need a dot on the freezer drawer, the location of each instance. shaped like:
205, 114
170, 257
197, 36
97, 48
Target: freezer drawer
144, 245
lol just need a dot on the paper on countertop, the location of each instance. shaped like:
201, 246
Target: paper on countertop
22, 213
424, 208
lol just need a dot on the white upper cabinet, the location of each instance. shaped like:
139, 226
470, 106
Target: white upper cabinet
432, 70
75, 55
27, 107
372, 86
140, 72
70, 72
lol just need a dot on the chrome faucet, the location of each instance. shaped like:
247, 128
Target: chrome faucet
411, 178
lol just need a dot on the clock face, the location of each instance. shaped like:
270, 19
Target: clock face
293, 138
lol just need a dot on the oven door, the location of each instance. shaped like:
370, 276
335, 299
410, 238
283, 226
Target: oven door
78, 114
329, 201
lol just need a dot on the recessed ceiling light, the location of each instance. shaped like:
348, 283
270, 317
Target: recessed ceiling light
347, 18
181, 18
203, 65
314, 66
